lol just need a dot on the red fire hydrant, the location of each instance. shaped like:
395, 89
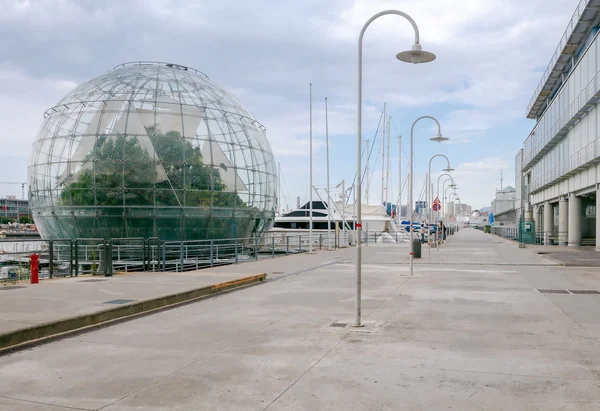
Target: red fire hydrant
34, 268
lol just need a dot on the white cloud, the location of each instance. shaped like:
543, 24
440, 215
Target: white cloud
490, 57
477, 181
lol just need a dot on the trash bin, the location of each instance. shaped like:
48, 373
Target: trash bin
487, 229
416, 248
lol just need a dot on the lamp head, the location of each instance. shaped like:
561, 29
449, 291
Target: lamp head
439, 138
416, 55
449, 169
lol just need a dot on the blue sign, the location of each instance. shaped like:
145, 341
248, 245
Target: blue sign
491, 219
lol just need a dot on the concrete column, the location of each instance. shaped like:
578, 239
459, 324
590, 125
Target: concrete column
548, 222
536, 218
598, 217
574, 220
563, 221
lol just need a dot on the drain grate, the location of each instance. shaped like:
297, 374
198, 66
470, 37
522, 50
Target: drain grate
277, 272
553, 291
11, 287
584, 292
338, 325
93, 280
119, 301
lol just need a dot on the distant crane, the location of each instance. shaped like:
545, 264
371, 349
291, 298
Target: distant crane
13, 183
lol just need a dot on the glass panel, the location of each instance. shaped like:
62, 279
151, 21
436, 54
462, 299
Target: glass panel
158, 138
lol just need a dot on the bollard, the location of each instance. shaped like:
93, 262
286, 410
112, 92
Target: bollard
34, 268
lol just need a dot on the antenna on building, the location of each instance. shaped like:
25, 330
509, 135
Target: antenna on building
501, 179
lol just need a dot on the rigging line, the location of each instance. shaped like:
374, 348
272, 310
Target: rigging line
371, 152
403, 148
363, 152
374, 166
285, 188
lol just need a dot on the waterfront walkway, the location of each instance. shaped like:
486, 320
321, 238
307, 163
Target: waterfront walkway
469, 331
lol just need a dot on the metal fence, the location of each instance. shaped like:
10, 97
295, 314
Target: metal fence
96, 256
522, 234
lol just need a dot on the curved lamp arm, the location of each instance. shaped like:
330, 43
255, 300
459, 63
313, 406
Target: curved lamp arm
438, 182
429, 117
438, 155
383, 13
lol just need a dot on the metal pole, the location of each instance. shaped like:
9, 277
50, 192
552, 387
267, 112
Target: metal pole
367, 177
412, 129
354, 209
279, 189
357, 321
236, 251
383, 154
255, 249
399, 209
344, 211
51, 258
430, 199
310, 182
387, 171
329, 198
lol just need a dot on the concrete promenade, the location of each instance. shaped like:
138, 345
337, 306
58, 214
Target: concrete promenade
469, 331
24, 305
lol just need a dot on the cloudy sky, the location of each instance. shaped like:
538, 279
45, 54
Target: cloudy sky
490, 57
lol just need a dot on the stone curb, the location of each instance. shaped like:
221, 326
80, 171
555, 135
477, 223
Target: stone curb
38, 334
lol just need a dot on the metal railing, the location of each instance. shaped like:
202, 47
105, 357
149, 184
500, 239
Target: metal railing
540, 237
559, 49
510, 233
96, 256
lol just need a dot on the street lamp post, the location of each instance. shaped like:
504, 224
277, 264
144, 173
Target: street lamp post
439, 138
429, 199
443, 205
399, 207
328, 190
415, 55
438, 185
310, 201
453, 185
447, 170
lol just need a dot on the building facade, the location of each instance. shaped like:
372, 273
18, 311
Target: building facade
503, 206
558, 175
14, 208
420, 206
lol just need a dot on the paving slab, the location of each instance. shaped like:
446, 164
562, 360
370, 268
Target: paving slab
468, 331
57, 299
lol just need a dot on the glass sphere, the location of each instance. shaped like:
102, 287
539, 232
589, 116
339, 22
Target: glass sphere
151, 150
